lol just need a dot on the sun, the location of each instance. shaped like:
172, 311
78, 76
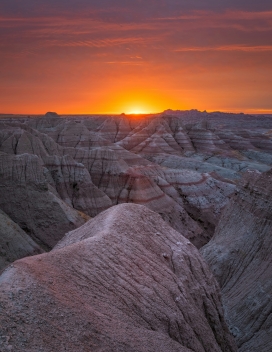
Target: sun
136, 111
134, 103
142, 109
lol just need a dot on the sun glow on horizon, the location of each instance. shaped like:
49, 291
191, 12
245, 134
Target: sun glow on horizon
137, 111
138, 101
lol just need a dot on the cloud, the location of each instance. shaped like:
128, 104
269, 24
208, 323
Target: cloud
241, 47
134, 63
239, 20
227, 15
100, 43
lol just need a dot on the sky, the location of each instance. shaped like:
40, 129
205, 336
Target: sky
135, 56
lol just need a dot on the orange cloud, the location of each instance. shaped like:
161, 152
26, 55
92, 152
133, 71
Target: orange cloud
241, 47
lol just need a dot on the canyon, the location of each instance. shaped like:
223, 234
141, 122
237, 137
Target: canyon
136, 233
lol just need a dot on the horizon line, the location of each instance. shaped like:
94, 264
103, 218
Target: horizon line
246, 112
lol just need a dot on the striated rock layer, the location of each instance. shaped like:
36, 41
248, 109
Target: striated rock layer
240, 257
182, 164
26, 198
91, 179
124, 281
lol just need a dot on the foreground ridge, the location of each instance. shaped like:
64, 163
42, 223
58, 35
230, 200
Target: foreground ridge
124, 281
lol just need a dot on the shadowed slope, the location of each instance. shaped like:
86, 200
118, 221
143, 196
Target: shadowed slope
26, 198
125, 281
14, 242
240, 256
69, 179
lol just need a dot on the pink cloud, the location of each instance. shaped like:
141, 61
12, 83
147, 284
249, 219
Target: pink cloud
240, 20
236, 47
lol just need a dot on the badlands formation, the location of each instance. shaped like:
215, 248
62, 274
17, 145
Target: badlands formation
137, 234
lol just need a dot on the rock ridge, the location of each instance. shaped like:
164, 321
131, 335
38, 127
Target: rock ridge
124, 281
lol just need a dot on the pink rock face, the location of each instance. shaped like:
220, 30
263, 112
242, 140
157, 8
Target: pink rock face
125, 281
239, 255
192, 191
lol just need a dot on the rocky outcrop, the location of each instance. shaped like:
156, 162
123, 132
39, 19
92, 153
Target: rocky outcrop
27, 198
173, 194
14, 242
69, 132
240, 257
70, 180
18, 138
151, 137
201, 196
124, 281
74, 185
140, 189
227, 169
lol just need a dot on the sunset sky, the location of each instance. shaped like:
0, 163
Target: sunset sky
114, 56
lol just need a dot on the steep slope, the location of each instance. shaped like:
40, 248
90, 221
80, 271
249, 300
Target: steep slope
69, 132
140, 189
74, 185
201, 196
14, 242
240, 257
125, 281
70, 180
26, 198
